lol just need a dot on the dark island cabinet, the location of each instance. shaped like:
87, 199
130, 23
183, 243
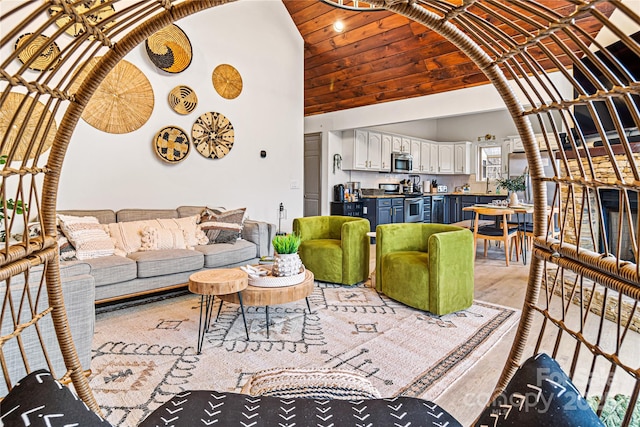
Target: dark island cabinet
383, 211
427, 209
347, 208
455, 204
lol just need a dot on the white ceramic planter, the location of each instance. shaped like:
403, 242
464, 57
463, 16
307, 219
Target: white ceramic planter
286, 265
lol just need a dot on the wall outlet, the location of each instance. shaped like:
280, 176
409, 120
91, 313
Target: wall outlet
294, 184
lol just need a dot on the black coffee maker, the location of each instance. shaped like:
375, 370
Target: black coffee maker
338, 193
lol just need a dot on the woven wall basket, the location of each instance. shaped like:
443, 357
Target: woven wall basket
213, 135
89, 11
13, 106
122, 103
183, 100
29, 45
171, 144
170, 49
227, 81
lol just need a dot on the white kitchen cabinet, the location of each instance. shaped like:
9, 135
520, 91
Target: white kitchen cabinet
396, 143
387, 144
461, 158
416, 150
362, 150
425, 156
406, 145
433, 158
446, 157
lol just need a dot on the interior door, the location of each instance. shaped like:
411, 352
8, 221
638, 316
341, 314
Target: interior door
312, 177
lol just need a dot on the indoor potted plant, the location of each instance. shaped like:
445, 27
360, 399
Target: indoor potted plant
286, 261
512, 185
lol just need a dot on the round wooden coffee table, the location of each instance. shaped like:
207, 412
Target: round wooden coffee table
219, 282
266, 296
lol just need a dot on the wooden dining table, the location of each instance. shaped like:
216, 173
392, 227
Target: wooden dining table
520, 210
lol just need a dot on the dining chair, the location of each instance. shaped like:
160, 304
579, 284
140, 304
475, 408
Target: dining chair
495, 231
553, 227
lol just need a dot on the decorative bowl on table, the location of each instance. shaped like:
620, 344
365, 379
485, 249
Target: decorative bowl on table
265, 279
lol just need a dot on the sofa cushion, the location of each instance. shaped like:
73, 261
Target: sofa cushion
539, 394
104, 216
224, 254
127, 215
154, 239
39, 400
112, 269
222, 226
159, 263
192, 231
87, 235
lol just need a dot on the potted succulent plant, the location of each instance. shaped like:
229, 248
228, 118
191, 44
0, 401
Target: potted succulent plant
512, 185
286, 261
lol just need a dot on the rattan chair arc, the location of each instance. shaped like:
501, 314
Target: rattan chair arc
516, 44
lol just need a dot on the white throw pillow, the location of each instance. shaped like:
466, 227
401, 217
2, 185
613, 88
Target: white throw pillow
90, 239
194, 234
154, 239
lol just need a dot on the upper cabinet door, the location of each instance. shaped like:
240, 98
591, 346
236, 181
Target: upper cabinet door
446, 158
375, 151
433, 158
387, 144
461, 158
396, 143
406, 145
425, 156
361, 149
415, 151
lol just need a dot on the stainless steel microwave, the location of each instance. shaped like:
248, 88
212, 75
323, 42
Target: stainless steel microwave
401, 162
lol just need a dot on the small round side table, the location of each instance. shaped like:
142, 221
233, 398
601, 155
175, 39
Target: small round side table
211, 283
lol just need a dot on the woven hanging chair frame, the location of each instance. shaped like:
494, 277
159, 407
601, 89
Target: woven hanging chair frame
517, 44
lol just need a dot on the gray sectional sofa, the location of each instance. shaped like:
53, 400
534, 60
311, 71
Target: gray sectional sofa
117, 277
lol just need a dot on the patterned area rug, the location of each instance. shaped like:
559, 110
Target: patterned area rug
145, 353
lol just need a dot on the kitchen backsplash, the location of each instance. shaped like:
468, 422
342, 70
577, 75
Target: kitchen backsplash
371, 180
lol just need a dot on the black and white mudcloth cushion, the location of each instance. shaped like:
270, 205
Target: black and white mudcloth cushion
206, 408
539, 394
38, 400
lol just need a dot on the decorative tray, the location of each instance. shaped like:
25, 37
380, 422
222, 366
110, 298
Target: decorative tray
266, 280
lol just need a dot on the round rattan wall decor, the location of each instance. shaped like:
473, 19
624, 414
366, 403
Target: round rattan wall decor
213, 135
13, 106
171, 144
90, 9
28, 46
122, 103
183, 99
170, 49
227, 81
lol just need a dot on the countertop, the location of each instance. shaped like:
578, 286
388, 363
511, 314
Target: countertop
387, 196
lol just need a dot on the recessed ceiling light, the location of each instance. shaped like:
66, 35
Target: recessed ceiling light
338, 26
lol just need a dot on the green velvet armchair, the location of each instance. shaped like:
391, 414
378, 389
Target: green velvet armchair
425, 266
334, 248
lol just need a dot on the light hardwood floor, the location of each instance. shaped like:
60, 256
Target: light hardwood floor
495, 283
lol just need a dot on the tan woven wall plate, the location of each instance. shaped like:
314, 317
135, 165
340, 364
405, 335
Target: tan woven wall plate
227, 81
28, 46
171, 144
122, 103
183, 99
170, 49
13, 106
92, 11
213, 135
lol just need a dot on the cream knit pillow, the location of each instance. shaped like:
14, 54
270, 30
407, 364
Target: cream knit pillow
154, 239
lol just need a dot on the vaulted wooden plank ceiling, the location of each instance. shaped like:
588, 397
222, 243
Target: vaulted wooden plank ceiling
382, 56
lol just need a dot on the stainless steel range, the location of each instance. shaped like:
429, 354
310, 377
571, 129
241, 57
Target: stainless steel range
413, 209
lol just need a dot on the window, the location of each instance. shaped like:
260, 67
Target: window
490, 162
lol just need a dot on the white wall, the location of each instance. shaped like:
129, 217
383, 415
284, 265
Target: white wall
104, 170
